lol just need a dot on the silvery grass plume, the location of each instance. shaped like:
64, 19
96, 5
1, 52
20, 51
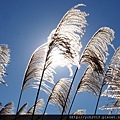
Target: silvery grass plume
90, 82
94, 55
112, 79
4, 61
62, 49
22, 110
39, 106
59, 94
96, 51
7, 109
80, 112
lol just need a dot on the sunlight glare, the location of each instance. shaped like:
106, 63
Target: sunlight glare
57, 58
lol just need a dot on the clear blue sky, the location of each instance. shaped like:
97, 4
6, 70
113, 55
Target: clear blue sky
26, 24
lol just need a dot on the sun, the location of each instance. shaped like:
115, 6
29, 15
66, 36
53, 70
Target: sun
57, 57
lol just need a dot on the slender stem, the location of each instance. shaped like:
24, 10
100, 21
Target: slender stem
19, 100
99, 97
72, 102
75, 95
39, 86
46, 106
69, 92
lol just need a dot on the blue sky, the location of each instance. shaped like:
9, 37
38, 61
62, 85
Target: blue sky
26, 24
